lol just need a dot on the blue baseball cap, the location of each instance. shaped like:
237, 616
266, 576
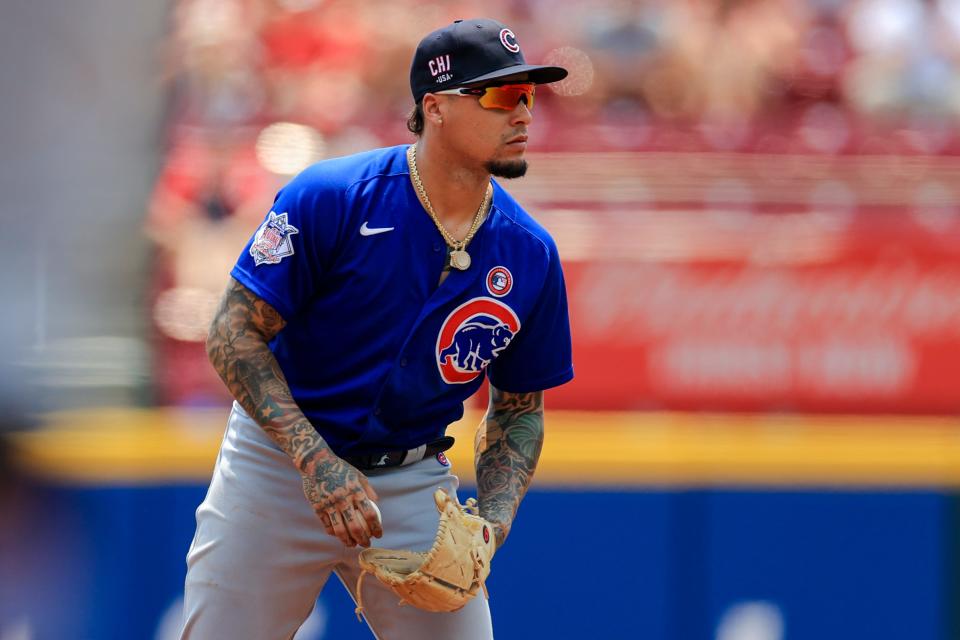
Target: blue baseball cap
470, 52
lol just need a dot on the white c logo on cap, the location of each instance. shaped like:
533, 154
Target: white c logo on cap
509, 41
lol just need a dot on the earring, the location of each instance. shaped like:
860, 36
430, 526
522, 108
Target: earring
439, 120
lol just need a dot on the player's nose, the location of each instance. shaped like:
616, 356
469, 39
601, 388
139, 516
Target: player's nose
521, 114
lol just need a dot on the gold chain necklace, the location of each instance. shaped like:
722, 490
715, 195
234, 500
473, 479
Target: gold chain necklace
459, 258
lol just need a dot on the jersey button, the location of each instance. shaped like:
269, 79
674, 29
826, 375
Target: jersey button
436, 247
403, 362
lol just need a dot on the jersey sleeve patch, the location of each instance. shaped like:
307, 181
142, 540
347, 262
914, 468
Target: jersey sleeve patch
272, 242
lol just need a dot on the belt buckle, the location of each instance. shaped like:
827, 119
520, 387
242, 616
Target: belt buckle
414, 455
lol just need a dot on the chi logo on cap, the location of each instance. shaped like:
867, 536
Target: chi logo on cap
509, 41
440, 64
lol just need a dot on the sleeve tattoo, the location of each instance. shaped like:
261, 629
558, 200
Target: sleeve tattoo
507, 449
237, 348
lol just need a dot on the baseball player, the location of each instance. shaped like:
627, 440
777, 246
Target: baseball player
365, 310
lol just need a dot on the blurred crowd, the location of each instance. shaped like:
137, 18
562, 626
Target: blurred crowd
261, 88
341, 67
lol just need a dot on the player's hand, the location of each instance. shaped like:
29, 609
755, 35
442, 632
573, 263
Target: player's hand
343, 499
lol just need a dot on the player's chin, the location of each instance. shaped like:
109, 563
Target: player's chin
507, 168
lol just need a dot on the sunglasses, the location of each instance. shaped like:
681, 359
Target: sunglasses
505, 96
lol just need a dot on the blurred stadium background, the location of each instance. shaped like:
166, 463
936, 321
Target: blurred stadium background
757, 205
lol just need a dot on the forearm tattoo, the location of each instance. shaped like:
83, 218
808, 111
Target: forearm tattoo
507, 448
237, 348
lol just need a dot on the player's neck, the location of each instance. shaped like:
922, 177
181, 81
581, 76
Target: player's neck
455, 191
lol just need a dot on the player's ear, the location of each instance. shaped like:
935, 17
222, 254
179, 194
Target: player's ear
433, 109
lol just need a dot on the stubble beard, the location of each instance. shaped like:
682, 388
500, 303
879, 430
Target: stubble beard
507, 169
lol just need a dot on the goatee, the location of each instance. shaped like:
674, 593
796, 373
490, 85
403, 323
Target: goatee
507, 168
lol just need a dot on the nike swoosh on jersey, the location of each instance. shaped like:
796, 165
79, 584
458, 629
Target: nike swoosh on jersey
372, 231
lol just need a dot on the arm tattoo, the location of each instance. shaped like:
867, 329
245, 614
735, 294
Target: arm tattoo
237, 348
507, 448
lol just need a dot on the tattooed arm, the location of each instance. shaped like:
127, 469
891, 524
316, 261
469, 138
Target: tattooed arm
507, 448
237, 348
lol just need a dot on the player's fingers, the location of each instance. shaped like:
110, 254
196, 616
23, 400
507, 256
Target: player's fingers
340, 529
368, 488
368, 508
325, 519
313, 497
356, 526
370, 512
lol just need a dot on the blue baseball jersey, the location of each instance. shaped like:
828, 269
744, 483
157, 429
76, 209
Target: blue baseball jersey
378, 354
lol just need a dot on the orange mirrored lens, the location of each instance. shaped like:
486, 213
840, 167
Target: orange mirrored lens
507, 96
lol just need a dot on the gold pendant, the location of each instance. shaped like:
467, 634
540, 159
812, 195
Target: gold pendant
460, 259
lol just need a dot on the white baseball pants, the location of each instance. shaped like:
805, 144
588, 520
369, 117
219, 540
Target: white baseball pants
260, 556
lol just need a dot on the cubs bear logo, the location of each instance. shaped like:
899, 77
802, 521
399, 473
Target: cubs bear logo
499, 281
472, 336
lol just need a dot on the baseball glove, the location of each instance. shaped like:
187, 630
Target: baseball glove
447, 576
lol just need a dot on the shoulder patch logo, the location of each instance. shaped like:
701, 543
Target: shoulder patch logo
272, 242
472, 336
442, 459
499, 281
509, 41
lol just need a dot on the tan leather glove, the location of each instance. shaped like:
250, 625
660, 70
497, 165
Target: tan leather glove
447, 576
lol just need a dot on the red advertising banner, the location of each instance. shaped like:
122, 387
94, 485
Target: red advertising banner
688, 310
696, 281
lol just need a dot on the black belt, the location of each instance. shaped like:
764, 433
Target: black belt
400, 458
